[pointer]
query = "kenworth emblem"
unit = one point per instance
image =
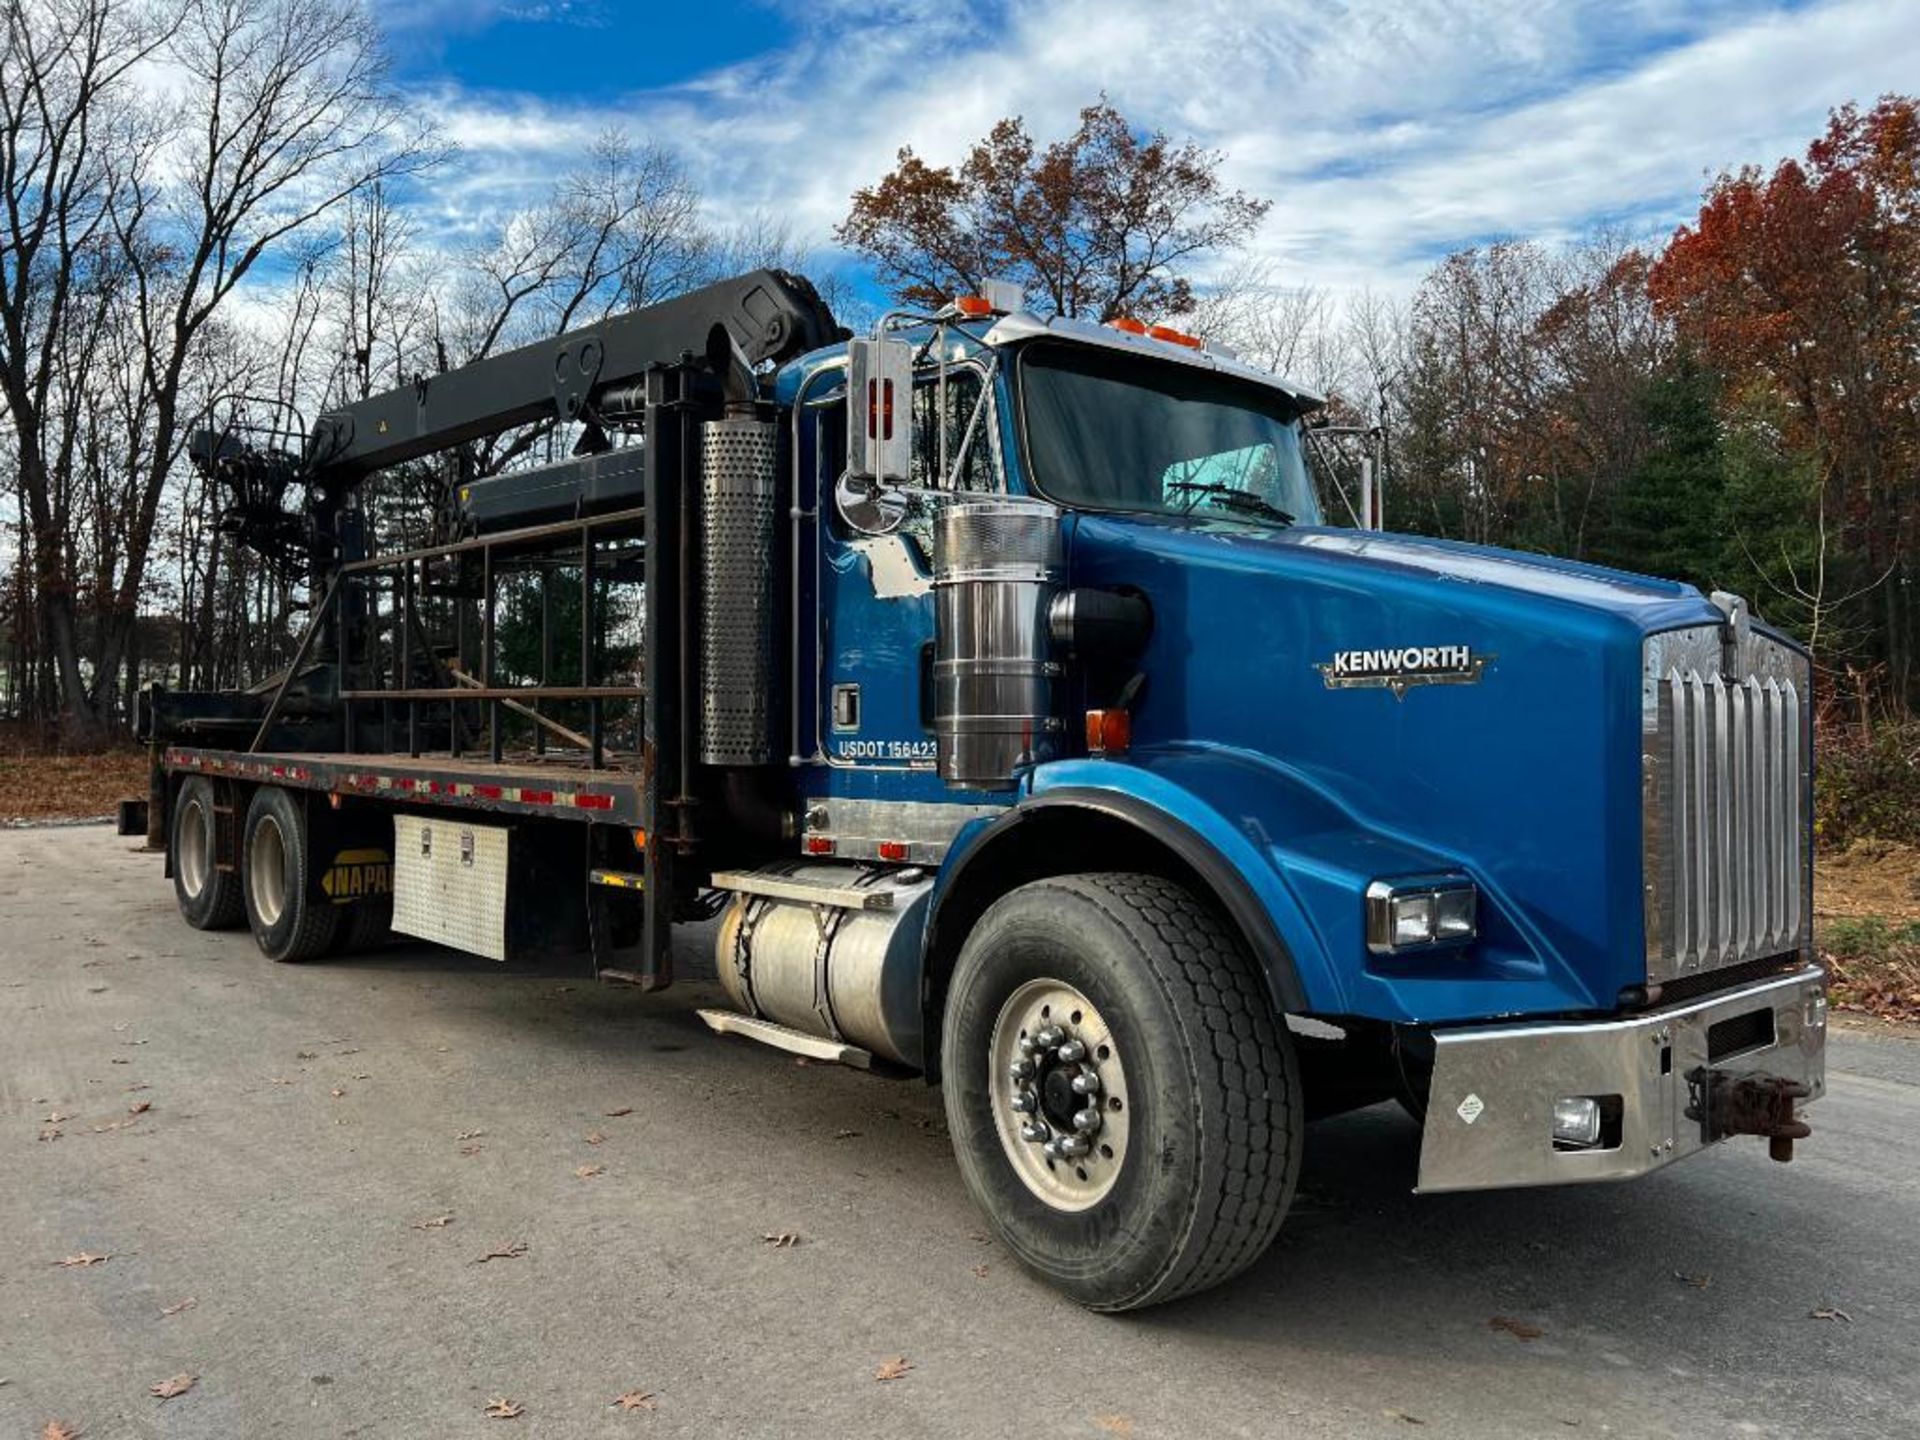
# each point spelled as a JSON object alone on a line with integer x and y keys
{"x": 1400, "y": 670}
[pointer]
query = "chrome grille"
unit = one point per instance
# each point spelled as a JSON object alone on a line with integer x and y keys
{"x": 1724, "y": 760}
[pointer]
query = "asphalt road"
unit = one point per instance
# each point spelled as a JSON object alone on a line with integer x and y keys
{"x": 307, "y": 1122}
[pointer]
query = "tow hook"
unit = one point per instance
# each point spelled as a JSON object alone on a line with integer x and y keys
{"x": 1749, "y": 1105}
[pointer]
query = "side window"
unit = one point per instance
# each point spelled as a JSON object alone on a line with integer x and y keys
{"x": 963, "y": 399}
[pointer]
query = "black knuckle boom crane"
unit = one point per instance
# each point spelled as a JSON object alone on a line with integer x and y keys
{"x": 370, "y": 685}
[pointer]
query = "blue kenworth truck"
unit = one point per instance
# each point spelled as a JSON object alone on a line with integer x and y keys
{"x": 997, "y": 686}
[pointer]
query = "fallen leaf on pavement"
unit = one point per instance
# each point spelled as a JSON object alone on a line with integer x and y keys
{"x": 283, "y": 1080}
{"x": 437, "y": 1222}
{"x": 59, "y": 1430}
{"x": 634, "y": 1400}
{"x": 894, "y": 1369}
{"x": 1121, "y": 1425}
{"x": 52, "y": 1132}
{"x": 177, "y": 1385}
{"x": 1519, "y": 1329}
{"x": 623, "y": 1110}
{"x": 54, "y": 1117}
{"x": 1403, "y": 1415}
{"x": 511, "y": 1251}
{"x": 501, "y": 1408}
{"x": 186, "y": 1304}
{"x": 306, "y": 1055}
{"x": 469, "y": 1134}
{"x": 783, "y": 1240}
{"x": 336, "y": 1092}
{"x": 471, "y": 1150}
{"x": 1828, "y": 1312}
{"x": 1698, "y": 1282}
{"x": 82, "y": 1260}
{"x": 587, "y": 1172}
{"x": 140, "y": 1107}
{"x": 845, "y": 1134}
{"x": 981, "y": 1270}
{"x": 594, "y": 1137}
{"x": 138, "y": 1085}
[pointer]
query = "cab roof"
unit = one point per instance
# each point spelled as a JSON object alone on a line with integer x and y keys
{"x": 1019, "y": 327}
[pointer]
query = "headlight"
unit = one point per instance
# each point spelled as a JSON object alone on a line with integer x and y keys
{"x": 1418, "y": 912}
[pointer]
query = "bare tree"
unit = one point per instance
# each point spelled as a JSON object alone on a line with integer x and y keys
{"x": 73, "y": 138}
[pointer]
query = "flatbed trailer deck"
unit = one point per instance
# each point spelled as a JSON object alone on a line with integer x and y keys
{"x": 551, "y": 788}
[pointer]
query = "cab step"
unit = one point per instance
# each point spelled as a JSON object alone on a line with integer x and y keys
{"x": 785, "y": 1037}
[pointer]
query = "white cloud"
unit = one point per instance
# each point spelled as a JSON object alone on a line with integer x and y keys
{"x": 1384, "y": 130}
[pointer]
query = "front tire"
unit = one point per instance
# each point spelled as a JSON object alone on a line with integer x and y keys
{"x": 209, "y": 897}
{"x": 290, "y": 919}
{"x": 1180, "y": 1176}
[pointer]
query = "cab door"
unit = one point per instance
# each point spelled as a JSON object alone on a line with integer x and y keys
{"x": 875, "y": 582}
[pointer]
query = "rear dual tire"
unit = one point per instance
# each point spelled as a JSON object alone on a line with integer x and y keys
{"x": 1168, "y": 1027}
{"x": 290, "y": 919}
{"x": 209, "y": 897}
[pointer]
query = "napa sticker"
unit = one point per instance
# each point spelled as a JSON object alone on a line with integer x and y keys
{"x": 1399, "y": 670}
{"x": 357, "y": 875}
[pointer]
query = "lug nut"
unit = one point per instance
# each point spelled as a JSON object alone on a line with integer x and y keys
{"x": 1050, "y": 1037}
{"x": 1071, "y": 1051}
{"x": 1086, "y": 1121}
{"x": 1037, "y": 1131}
{"x": 1087, "y": 1082}
{"x": 1021, "y": 1070}
{"x": 1072, "y": 1147}
{"x": 1024, "y": 1101}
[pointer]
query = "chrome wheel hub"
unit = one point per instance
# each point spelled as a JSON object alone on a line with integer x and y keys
{"x": 195, "y": 849}
{"x": 1059, "y": 1094}
{"x": 267, "y": 870}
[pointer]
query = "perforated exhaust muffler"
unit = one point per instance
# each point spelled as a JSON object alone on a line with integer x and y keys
{"x": 737, "y": 458}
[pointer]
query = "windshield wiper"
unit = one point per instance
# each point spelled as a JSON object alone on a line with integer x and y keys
{"x": 1244, "y": 501}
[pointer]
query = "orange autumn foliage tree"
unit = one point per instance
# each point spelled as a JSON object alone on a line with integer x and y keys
{"x": 1099, "y": 224}
{"x": 1803, "y": 286}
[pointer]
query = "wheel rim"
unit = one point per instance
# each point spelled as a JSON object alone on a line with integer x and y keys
{"x": 1059, "y": 1094}
{"x": 267, "y": 870}
{"x": 194, "y": 848}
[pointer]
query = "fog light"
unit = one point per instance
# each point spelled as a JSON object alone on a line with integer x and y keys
{"x": 1419, "y": 911}
{"x": 1576, "y": 1121}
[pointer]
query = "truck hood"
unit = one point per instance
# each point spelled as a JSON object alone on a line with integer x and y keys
{"x": 1445, "y": 704}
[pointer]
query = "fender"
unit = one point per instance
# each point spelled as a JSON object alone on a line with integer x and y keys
{"x": 1244, "y": 907}
{"x": 1290, "y": 866}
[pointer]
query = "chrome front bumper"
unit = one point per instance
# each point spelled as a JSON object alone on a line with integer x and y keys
{"x": 1490, "y": 1107}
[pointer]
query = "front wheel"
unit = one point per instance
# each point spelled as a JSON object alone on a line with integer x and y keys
{"x": 1123, "y": 1105}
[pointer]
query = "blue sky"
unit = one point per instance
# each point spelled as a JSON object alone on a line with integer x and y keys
{"x": 1386, "y": 132}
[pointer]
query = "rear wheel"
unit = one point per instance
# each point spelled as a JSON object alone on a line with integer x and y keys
{"x": 1124, "y": 1107}
{"x": 289, "y": 918}
{"x": 209, "y": 897}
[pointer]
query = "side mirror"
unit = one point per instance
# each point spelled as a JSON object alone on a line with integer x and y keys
{"x": 880, "y": 408}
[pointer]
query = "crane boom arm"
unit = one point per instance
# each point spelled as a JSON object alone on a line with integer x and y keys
{"x": 768, "y": 314}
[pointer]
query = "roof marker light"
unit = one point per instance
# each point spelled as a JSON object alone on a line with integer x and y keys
{"x": 1175, "y": 337}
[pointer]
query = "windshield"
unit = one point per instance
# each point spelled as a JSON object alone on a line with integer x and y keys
{"x": 1109, "y": 431}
